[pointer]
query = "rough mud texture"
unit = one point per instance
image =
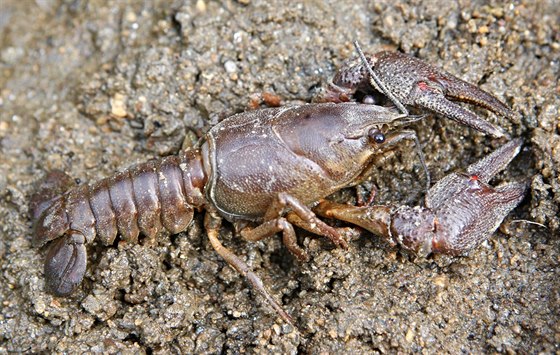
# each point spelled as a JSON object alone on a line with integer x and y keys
{"x": 92, "y": 87}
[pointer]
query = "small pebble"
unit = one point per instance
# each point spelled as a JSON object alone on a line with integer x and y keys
{"x": 230, "y": 66}
{"x": 118, "y": 106}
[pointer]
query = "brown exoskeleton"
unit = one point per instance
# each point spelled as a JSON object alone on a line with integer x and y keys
{"x": 266, "y": 167}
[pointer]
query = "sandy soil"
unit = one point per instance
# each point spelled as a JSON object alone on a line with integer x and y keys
{"x": 91, "y": 87}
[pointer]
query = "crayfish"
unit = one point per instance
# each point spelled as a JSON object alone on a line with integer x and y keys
{"x": 265, "y": 170}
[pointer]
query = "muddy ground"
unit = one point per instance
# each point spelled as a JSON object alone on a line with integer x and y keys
{"x": 92, "y": 87}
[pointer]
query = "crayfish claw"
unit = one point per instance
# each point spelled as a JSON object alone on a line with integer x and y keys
{"x": 461, "y": 209}
{"x": 466, "y": 209}
{"x": 475, "y": 215}
{"x": 409, "y": 81}
{"x": 477, "y": 175}
{"x": 487, "y": 167}
{"x": 432, "y": 99}
{"x": 460, "y": 90}
{"x": 420, "y": 84}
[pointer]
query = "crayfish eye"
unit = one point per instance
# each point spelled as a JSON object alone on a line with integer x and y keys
{"x": 376, "y": 136}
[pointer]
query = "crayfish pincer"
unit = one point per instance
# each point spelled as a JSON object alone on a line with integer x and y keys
{"x": 461, "y": 210}
{"x": 263, "y": 170}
